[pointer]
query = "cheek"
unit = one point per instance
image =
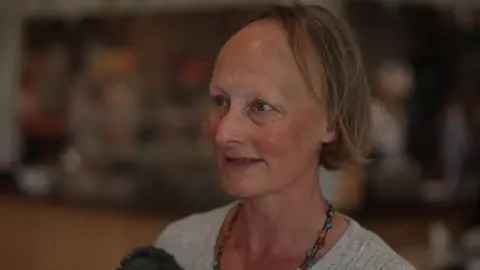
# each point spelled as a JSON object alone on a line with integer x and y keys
{"x": 275, "y": 142}
{"x": 288, "y": 142}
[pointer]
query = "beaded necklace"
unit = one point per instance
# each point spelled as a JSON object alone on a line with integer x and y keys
{"x": 308, "y": 262}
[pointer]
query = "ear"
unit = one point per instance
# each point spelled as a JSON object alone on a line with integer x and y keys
{"x": 330, "y": 133}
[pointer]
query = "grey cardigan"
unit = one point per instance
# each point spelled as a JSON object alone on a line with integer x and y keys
{"x": 191, "y": 241}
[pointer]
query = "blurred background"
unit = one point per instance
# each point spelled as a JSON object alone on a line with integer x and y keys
{"x": 101, "y": 126}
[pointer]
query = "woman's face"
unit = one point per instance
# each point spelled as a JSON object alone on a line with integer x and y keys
{"x": 267, "y": 127}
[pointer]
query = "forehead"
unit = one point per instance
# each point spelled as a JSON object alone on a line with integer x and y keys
{"x": 257, "y": 56}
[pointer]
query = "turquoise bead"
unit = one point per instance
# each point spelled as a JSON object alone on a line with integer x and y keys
{"x": 329, "y": 224}
{"x": 310, "y": 263}
{"x": 215, "y": 265}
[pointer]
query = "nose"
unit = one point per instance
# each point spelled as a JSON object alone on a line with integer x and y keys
{"x": 232, "y": 129}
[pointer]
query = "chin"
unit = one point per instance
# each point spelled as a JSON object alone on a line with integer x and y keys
{"x": 242, "y": 188}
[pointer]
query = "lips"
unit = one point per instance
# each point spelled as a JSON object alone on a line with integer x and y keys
{"x": 242, "y": 160}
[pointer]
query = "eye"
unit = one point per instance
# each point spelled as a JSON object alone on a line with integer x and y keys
{"x": 261, "y": 106}
{"x": 220, "y": 101}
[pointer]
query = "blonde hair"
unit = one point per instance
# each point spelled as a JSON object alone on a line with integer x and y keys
{"x": 346, "y": 92}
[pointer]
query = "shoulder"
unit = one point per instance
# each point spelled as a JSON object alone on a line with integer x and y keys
{"x": 362, "y": 249}
{"x": 374, "y": 253}
{"x": 377, "y": 254}
{"x": 194, "y": 236}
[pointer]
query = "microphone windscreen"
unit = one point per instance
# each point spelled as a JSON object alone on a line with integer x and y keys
{"x": 149, "y": 258}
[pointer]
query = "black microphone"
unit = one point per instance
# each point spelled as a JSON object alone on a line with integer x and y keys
{"x": 149, "y": 258}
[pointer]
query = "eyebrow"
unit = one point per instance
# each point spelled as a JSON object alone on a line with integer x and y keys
{"x": 218, "y": 88}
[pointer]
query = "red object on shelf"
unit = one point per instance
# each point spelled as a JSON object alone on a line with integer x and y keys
{"x": 195, "y": 71}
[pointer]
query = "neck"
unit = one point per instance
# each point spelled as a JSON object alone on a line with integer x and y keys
{"x": 285, "y": 223}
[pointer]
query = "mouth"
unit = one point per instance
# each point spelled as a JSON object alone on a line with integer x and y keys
{"x": 241, "y": 161}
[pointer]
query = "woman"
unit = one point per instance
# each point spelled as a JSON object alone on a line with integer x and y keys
{"x": 288, "y": 95}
